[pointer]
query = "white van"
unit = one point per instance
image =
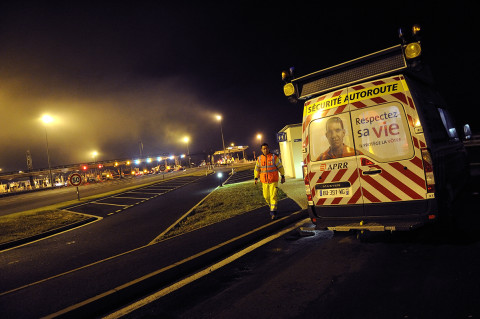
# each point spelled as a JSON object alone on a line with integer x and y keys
{"x": 380, "y": 150}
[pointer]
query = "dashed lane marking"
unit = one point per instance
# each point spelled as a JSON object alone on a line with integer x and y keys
{"x": 128, "y": 197}
{"x": 141, "y": 194}
{"x": 145, "y": 193}
{"x": 109, "y": 204}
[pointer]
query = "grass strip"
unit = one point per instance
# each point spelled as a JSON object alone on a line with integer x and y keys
{"x": 224, "y": 203}
{"x": 26, "y": 224}
{"x": 244, "y": 167}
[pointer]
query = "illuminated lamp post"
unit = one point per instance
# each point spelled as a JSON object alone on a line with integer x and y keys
{"x": 94, "y": 155}
{"x": 186, "y": 139}
{"x": 219, "y": 118}
{"x": 259, "y": 138}
{"x": 47, "y": 119}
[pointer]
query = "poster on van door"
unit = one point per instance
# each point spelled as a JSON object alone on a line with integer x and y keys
{"x": 331, "y": 138}
{"x": 382, "y": 132}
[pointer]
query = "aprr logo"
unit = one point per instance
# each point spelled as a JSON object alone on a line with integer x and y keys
{"x": 333, "y": 166}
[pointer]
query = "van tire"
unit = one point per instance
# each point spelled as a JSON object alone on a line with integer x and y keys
{"x": 446, "y": 206}
{"x": 451, "y": 206}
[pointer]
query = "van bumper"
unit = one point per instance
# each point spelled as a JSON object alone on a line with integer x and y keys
{"x": 389, "y": 220}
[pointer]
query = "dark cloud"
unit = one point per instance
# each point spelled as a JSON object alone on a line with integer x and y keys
{"x": 117, "y": 74}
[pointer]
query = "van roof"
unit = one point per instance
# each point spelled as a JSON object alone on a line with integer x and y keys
{"x": 367, "y": 67}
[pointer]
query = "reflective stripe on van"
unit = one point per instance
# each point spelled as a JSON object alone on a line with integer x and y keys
{"x": 399, "y": 179}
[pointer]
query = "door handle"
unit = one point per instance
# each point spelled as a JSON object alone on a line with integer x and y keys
{"x": 374, "y": 172}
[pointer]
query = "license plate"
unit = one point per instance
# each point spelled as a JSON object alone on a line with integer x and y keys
{"x": 335, "y": 192}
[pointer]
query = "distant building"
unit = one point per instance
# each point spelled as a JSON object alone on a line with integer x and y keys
{"x": 290, "y": 140}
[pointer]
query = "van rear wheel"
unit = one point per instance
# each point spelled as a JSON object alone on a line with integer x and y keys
{"x": 446, "y": 206}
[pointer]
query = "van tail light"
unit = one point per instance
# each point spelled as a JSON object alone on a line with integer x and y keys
{"x": 366, "y": 162}
{"x": 428, "y": 169}
{"x": 307, "y": 185}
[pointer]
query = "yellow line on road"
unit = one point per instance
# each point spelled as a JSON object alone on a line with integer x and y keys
{"x": 152, "y": 274}
{"x": 179, "y": 284}
{"x": 129, "y": 197}
{"x": 109, "y": 204}
{"x": 69, "y": 272}
{"x": 154, "y": 241}
{"x": 159, "y": 271}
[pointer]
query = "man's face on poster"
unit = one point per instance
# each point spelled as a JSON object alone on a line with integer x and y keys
{"x": 335, "y": 134}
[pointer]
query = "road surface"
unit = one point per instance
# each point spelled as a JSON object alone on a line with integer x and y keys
{"x": 432, "y": 272}
{"x": 65, "y": 269}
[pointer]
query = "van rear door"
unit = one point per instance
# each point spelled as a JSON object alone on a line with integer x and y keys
{"x": 389, "y": 159}
{"x": 333, "y": 175}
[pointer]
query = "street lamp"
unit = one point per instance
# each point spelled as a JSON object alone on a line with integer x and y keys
{"x": 219, "y": 118}
{"x": 186, "y": 139}
{"x": 259, "y": 138}
{"x": 47, "y": 119}
{"x": 94, "y": 155}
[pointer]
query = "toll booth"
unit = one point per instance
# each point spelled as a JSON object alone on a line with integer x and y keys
{"x": 290, "y": 140}
{"x": 231, "y": 154}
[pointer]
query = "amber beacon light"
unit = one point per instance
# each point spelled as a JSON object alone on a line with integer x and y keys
{"x": 288, "y": 89}
{"x": 411, "y": 43}
{"x": 413, "y": 50}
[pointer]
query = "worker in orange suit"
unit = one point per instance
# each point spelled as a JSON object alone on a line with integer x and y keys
{"x": 267, "y": 167}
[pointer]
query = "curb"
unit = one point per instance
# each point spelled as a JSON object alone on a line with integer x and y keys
{"x": 116, "y": 298}
{"x": 18, "y": 242}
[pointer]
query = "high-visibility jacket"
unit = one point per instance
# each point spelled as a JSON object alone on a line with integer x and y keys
{"x": 267, "y": 167}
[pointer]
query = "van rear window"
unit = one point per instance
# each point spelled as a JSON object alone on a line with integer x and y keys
{"x": 382, "y": 132}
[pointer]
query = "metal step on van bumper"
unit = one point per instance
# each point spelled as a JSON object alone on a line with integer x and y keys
{"x": 400, "y": 226}
{"x": 388, "y": 216}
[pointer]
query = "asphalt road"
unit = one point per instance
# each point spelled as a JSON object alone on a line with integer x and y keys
{"x": 428, "y": 273}
{"x": 68, "y": 268}
{"x": 35, "y": 199}
{"x": 432, "y": 272}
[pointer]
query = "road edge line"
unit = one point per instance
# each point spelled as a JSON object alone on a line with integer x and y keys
{"x": 202, "y": 273}
{"x": 86, "y": 307}
{"x": 53, "y": 232}
{"x": 154, "y": 241}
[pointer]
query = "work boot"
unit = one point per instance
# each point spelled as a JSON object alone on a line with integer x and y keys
{"x": 273, "y": 214}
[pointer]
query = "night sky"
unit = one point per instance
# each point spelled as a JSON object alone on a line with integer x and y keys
{"x": 114, "y": 75}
